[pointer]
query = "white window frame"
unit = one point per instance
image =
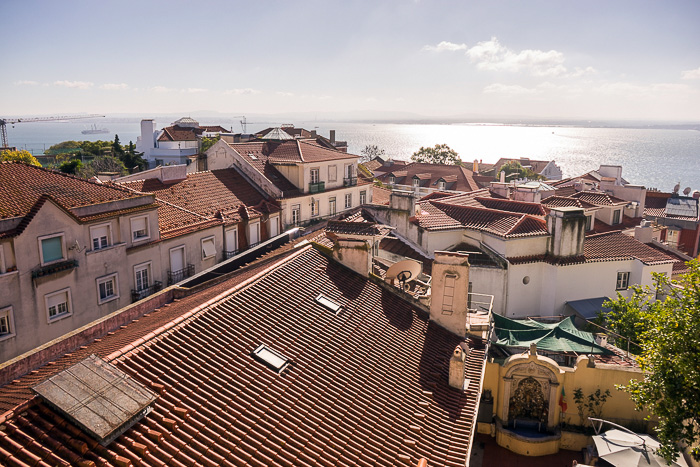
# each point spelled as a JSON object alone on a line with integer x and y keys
{"x": 7, "y": 316}
{"x": 254, "y": 227}
{"x": 148, "y": 229}
{"x": 273, "y": 221}
{"x": 332, "y": 173}
{"x": 208, "y": 239}
{"x": 315, "y": 175}
{"x": 109, "y": 236}
{"x": 315, "y": 207}
{"x": 363, "y": 197}
{"x": 332, "y": 206}
{"x": 348, "y": 200}
{"x": 63, "y": 247}
{"x": 296, "y": 214}
{"x": 416, "y": 182}
{"x": 618, "y": 213}
{"x": 589, "y": 222}
{"x": 441, "y": 185}
{"x": 392, "y": 179}
{"x": 623, "y": 280}
{"x": 141, "y": 267}
{"x": 69, "y": 305}
{"x": 114, "y": 279}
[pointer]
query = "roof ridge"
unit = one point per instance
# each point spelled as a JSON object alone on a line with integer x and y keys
{"x": 301, "y": 154}
{"x": 185, "y": 318}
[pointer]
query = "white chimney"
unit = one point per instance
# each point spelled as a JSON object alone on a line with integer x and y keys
{"x": 502, "y": 177}
{"x": 601, "y": 339}
{"x": 644, "y": 232}
{"x": 354, "y": 254}
{"x": 449, "y": 291}
{"x": 457, "y": 367}
{"x": 567, "y": 227}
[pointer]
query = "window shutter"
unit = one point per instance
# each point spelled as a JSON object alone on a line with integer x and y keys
{"x": 138, "y": 224}
{"x": 208, "y": 247}
{"x": 57, "y": 299}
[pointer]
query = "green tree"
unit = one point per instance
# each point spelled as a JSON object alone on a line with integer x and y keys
{"x": 668, "y": 331}
{"x": 72, "y": 166}
{"x": 95, "y": 148}
{"x": 370, "y": 152}
{"x": 19, "y": 156}
{"x": 440, "y": 154}
{"x": 65, "y": 147}
{"x": 102, "y": 164}
{"x": 208, "y": 142}
{"x": 514, "y": 167}
{"x": 133, "y": 160}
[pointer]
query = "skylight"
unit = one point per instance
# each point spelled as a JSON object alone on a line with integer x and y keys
{"x": 252, "y": 156}
{"x": 271, "y": 358}
{"x": 328, "y": 303}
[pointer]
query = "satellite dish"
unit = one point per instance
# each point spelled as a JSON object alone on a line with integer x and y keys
{"x": 405, "y": 270}
{"x": 686, "y": 191}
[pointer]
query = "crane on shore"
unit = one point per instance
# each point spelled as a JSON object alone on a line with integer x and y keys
{"x": 12, "y": 121}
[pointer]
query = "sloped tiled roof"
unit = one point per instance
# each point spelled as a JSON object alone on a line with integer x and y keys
{"x": 458, "y": 177}
{"x": 356, "y": 228}
{"x": 616, "y": 246}
{"x": 563, "y": 202}
{"x": 366, "y": 386}
{"x": 598, "y": 198}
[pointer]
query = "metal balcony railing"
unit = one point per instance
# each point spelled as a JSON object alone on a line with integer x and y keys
{"x": 350, "y": 181}
{"x": 137, "y": 295}
{"x": 176, "y": 276}
{"x": 317, "y": 187}
{"x": 54, "y": 268}
{"x": 230, "y": 253}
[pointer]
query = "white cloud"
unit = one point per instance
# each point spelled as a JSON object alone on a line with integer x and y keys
{"x": 578, "y": 72}
{"x": 492, "y": 56}
{"x": 241, "y": 91}
{"x": 74, "y": 84}
{"x": 508, "y": 89}
{"x": 691, "y": 74}
{"x": 194, "y": 90}
{"x": 285, "y": 94}
{"x": 161, "y": 89}
{"x": 114, "y": 86}
{"x": 26, "y": 82}
{"x": 445, "y": 46}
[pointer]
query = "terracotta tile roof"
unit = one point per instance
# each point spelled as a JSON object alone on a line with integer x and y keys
{"x": 565, "y": 191}
{"x": 563, "y": 201}
{"x": 598, "y": 198}
{"x": 380, "y": 195}
{"x": 372, "y": 165}
{"x": 616, "y": 245}
{"x": 22, "y": 185}
{"x": 441, "y": 215}
{"x": 349, "y": 396}
{"x": 356, "y": 228}
{"x": 509, "y": 205}
{"x": 180, "y": 133}
{"x": 461, "y": 177}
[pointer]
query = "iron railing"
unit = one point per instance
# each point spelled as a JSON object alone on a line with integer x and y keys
{"x": 54, "y": 268}
{"x": 230, "y": 253}
{"x": 350, "y": 181}
{"x": 317, "y": 187}
{"x": 176, "y": 276}
{"x": 138, "y": 294}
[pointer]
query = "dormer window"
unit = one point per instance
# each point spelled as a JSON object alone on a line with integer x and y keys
{"x": 139, "y": 228}
{"x": 441, "y": 184}
{"x": 392, "y": 179}
{"x": 416, "y": 181}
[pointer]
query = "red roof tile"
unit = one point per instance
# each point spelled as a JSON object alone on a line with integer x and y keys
{"x": 458, "y": 177}
{"x": 598, "y": 198}
{"x": 616, "y": 245}
{"x": 348, "y": 397}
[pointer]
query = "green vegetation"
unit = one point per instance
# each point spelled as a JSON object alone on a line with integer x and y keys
{"x": 209, "y": 142}
{"x": 86, "y": 158}
{"x": 440, "y": 154}
{"x": 71, "y": 166}
{"x": 591, "y": 406}
{"x": 514, "y": 167}
{"x": 668, "y": 332}
{"x": 103, "y": 164}
{"x": 19, "y": 156}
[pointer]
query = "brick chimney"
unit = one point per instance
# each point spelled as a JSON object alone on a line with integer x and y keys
{"x": 567, "y": 227}
{"x": 457, "y": 367}
{"x": 449, "y": 291}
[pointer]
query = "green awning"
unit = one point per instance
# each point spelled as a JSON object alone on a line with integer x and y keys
{"x": 555, "y": 337}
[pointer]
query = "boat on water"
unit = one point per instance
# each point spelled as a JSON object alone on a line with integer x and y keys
{"x": 95, "y": 131}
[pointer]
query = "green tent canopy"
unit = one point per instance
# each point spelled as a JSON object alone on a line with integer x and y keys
{"x": 556, "y": 337}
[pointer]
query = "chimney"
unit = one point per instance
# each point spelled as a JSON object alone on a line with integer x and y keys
{"x": 313, "y": 133}
{"x": 566, "y": 226}
{"x": 449, "y": 291}
{"x": 601, "y": 339}
{"x": 333, "y": 137}
{"x": 403, "y": 201}
{"x": 499, "y": 188}
{"x": 457, "y": 366}
{"x": 530, "y": 195}
{"x": 354, "y": 254}
{"x": 502, "y": 177}
{"x": 644, "y": 232}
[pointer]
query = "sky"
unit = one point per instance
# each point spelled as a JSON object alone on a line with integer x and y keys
{"x": 575, "y": 59}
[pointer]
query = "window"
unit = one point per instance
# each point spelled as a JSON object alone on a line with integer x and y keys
{"x": 589, "y": 221}
{"x": 314, "y": 176}
{"x": 254, "y": 234}
{"x": 295, "y": 214}
{"x": 328, "y": 303}
{"x": 623, "y": 279}
{"x": 100, "y": 236}
{"x": 142, "y": 274}
{"x": 363, "y": 197}
{"x": 392, "y": 179}
{"x": 314, "y": 207}
{"x": 139, "y": 228}
{"x": 332, "y": 173}
{"x": 331, "y": 206}
{"x": 348, "y": 200}
{"x": 7, "y": 329}
{"x": 449, "y": 293}
{"x": 51, "y": 248}
{"x": 616, "y": 217}
{"x": 349, "y": 171}
{"x": 441, "y": 185}
{"x": 58, "y": 304}
{"x": 107, "y": 289}
{"x": 208, "y": 248}
{"x": 672, "y": 238}
{"x": 271, "y": 358}
{"x": 416, "y": 182}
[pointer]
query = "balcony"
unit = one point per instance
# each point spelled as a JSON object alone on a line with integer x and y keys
{"x": 317, "y": 187}
{"x": 137, "y": 295}
{"x": 350, "y": 181}
{"x": 230, "y": 253}
{"x": 176, "y": 276}
{"x": 54, "y": 268}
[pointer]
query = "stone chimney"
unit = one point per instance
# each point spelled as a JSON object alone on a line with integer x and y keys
{"x": 332, "y": 138}
{"x": 449, "y": 291}
{"x": 499, "y": 188}
{"x": 527, "y": 194}
{"x": 457, "y": 367}
{"x": 354, "y": 253}
{"x": 403, "y": 201}
{"x": 644, "y": 232}
{"x": 567, "y": 227}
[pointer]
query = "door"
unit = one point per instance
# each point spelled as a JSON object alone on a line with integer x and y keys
{"x": 274, "y": 226}
{"x": 254, "y": 233}
{"x": 231, "y": 241}
{"x": 177, "y": 259}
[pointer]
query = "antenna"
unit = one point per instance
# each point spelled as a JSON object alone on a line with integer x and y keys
{"x": 405, "y": 271}
{"x": 686, "y": 191}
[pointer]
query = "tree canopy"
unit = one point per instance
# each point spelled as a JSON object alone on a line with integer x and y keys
{"x": 370, "y": 152}
{"x": 514, "y": 167}
{"x": 102, "y": 164}
{"x": 440, "y": 154}
{"x": 209, "y": 141}
{"x": 19, "y": 156}
{"x": 668, "y": 332}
